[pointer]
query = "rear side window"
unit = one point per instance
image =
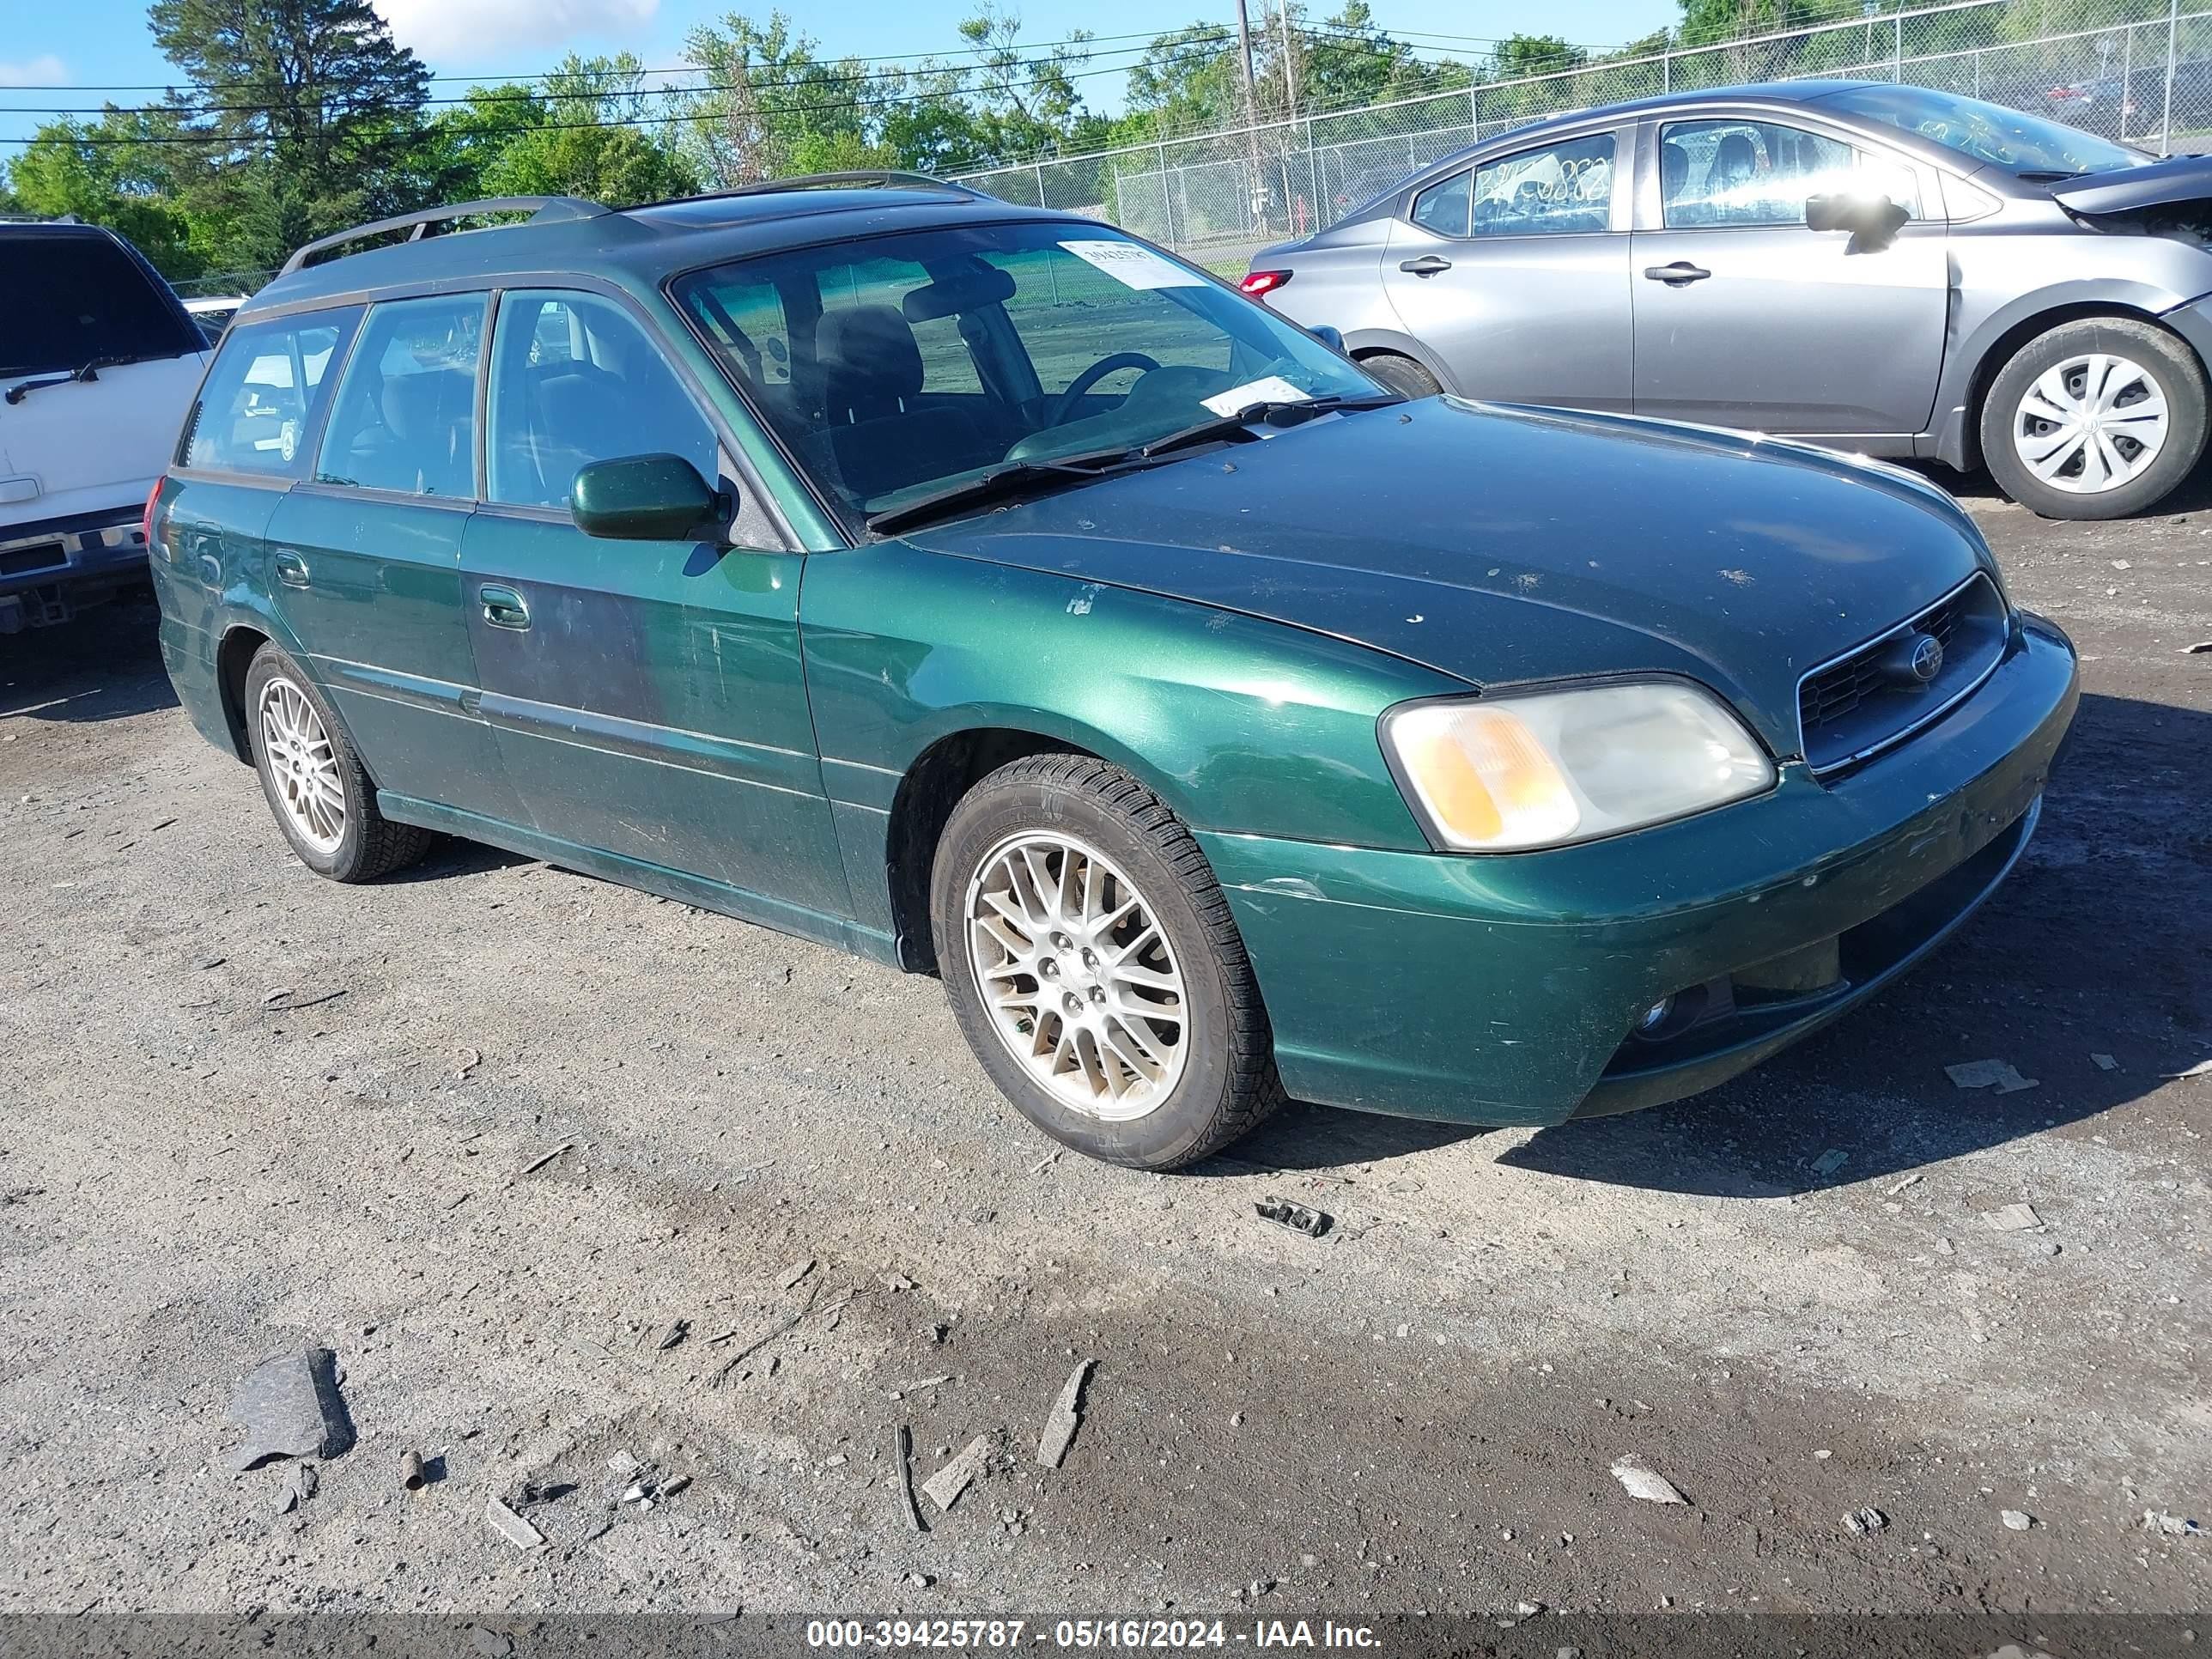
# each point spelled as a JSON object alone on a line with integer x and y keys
{"x": 575, "y": 380}
{"x": 68, "y": 299}
{"x": 1443, "y": 208}
{"x": 406, "y": 414}
{"x": 1561, "y": 190}
{"x": 262, "y": 401}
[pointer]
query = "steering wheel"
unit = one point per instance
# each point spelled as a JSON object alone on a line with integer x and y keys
{"x": 1063, "y": 405}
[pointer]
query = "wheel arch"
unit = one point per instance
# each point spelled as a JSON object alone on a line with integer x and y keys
{"x": 1385, "y": 342}
{"x": 234, "y": 656}
{"x": 1989, "y": 361}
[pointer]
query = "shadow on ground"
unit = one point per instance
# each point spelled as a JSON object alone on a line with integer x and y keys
{"x": 103, "y": 664}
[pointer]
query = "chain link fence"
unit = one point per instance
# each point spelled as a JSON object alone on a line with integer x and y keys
{"x": 2134, "y": 70}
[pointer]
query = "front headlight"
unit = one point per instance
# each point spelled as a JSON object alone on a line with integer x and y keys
{"x": 1505, "y": 774}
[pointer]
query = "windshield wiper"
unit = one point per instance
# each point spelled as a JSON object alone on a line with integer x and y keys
{"x": 1010, "y": 480}
{"x": 1274, "y": 412}
{"x": 89, "y": 371}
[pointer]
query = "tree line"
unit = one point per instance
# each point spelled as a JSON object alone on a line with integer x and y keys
{"x": 300, "y": 117}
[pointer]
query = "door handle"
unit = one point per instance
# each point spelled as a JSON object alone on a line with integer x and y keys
{"x": 1427, "y": 265}
{"x": 503, "y": 608}
{"x": 1680, "y": 274}
{"x": 291, "y": 568}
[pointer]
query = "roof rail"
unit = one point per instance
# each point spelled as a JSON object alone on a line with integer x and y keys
{"x": 541, "y": 208}
{"x": 879, "y": 178}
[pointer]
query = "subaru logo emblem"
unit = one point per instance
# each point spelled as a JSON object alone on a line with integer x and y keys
{"x": 1927, "y": 658}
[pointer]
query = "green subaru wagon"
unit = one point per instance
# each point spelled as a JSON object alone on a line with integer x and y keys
{"x": 988, "y": 593}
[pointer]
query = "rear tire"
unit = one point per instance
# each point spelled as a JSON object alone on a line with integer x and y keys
{"x": 322, "y": 798}
{"x": 1138, "y": 1038}
{"x": 2095, "y": 419}
{"x": 1402, "y": 375}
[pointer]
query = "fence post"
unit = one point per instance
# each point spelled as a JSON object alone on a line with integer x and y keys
{"x": 1473, "y": 112}
{"x": 1038, "y": 168}
{"x": 1313, "y": 179}
{"x": 1667, "y": 71}
{"x": 2166, "y": 119}
{"x": 1978, "y": 71}
{"x": 1897, "y": 63}
{"x": 2127, "y": 76}
{"x": 1167, "y": 197}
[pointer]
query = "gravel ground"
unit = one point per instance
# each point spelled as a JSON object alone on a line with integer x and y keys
{"x": 1418, "y": 1410}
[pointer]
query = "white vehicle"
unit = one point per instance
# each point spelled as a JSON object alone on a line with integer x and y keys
{"x": 212, "y": 314}
{"x": 98, "y": 361}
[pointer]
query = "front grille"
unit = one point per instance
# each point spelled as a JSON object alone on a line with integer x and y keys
{"x": 1863, "y": 702}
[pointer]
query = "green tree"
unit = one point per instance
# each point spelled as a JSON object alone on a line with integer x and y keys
{"x": 1027, "y": 99}
{"x": 107, "y": 173}
{"x": 771, "y": 107}
{"x": 307, "y": 119}
{"x": 591, "y": 128}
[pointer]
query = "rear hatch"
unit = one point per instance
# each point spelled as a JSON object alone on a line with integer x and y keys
{"x": 76, "y": 301}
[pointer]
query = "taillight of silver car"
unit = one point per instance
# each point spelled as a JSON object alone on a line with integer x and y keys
{"x": 1258, "y": 284}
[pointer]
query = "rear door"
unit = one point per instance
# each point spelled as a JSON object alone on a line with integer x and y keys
{"x": 648, "y": 695}
{"x": 1514, "y": 273}
{"x": 1745, "y": 318}
{"x": 364, "y": 557}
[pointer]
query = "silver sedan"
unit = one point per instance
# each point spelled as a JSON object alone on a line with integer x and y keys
{"x": 1884, "y": 269}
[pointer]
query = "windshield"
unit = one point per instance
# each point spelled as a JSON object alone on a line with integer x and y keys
{"x": 72, "y": 299}
{"x": 2026, "y": 145}
{"x": 899, "y": 367}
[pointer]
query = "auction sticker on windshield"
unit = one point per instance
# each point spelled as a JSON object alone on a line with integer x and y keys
{"x": 1135, "y": 266}
{"x": 1269, "y": 389}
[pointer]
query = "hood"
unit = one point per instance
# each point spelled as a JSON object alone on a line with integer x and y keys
{"x": 1503, "y": 545}
{"x": 2126, "y": 189}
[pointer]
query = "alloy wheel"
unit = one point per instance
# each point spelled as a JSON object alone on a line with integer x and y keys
{"x": 1077, "y": 976}
{"x": 2091, "y": 423}
{"x": 304, "y": 765}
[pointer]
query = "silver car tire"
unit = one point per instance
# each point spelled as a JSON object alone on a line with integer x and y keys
{"x": 1065, "y": 897}
{"x": 321, "y": 797}
{"x": 2095, "y": 419}
{"x": 1402, "y": 375}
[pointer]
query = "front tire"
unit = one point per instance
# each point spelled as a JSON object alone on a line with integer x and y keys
{"x": 1094, "y": 967}
{"x": 322, "y": 798}
{"x": 2095, "y": 419}
{"x": 1402, "y": 375}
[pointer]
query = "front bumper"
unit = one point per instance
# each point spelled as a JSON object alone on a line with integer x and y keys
{"x": 49, "y": 568}
{"x": 1502, "y": 990}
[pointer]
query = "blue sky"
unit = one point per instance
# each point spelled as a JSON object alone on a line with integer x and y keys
{"x": 80, "y": 42}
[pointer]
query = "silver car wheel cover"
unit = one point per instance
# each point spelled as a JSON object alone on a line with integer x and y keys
{"x": 2091, "y": 423}
{"x": 1076, "y": 974}
{"x": 303, "y": 765}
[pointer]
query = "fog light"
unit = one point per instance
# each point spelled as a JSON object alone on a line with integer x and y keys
{"x": 1656, "y": 1017}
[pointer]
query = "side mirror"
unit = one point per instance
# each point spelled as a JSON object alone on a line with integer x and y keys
{"x": 1873, "y": 220}
{"x": 644, "y": 498}
{"x": 1333, "y": 338}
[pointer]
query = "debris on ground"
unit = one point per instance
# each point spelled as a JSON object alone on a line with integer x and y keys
{"x": 492, "y": 1644}
{"x": 512, "y": 1527}
{"x": 1997, "y": 1074}
{"x": 2197, "y": 649}
{"x": 1831, "y": 1161}
{"x": 1044, "y": 1163}
{"x": 1298, "y": 1217}
{"x": 791, "y": 1275}
{"x": 2202, "y": 1069}
{"x": 674, "y": 1334}
{"x": 625, "y": 1465}
{"x": 545, "y": 1158}
{"x": 2013, "y": 1218}
{"x": 2105, "y": 1062}
{"x": 1066, "y": 1415}
{"x": 299, "y": 1487}
{"x": 2016, "y": 1520}
{"x": 1643, "y": 1484}
{"x": 783, "y": 1322}
{"x": 900, "y": 1391}
{"x": 465, "y": 1062}
{"x": 2173, "y": 1526}
{"x": 902, "y": 1476}
{"x": 1897, "y": 1187}
{"x": 1865, "y": 1520}
{"x": 275, "y": 994}
{"x": 945, "y": 1486}
{"x": 290, "y": 1407}
{"x": 410, "y": 1471}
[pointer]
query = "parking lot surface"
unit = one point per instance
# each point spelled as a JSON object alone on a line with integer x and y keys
{"x": 248, "y": 1111}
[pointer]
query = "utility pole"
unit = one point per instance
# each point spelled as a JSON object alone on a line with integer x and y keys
{"x": 1259, "y": 190}
{"x": 1290, "y": 65}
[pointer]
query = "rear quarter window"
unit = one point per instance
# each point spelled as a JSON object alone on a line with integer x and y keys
{"x": 69, "y": 298}
{"x": 263, "y": 399}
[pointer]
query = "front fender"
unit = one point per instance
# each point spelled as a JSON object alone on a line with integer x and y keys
{"x": 1241, "y": 726}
